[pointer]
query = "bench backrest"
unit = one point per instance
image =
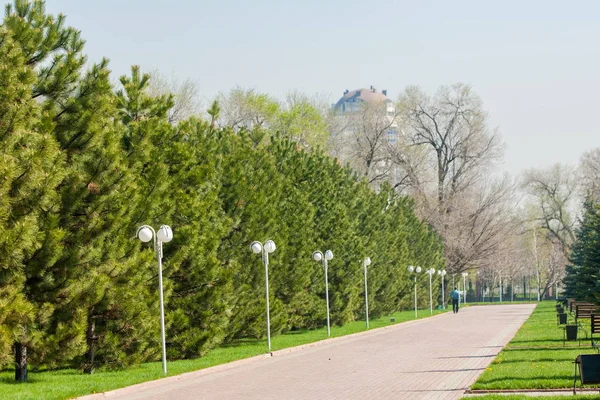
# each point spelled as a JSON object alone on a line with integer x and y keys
{"x": 570, "y": 304}
{"x": 585, "y": 310}
{"x": 595, "y": 323}
{"x": 573, "y": 305}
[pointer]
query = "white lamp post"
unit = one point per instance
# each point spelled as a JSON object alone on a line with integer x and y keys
{"x": 146, "y": 233}
{"x": 318, "y": 256}
{"x": 265, "y": 249}
{"x": 483, "y": 290}
{"x": 464, "y": 275}
{"x": 430, "y": 272}
{"x": 414, "y": 270}
{"x": 442, "y": 273}
{"x": 366, "y": 263}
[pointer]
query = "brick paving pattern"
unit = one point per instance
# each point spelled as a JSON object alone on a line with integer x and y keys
{"x": 433, "y": 358}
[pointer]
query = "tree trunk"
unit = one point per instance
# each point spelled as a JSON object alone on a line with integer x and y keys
{"x": 492, "y": 288}
{"x": 537, "y": 265}
{"x": 512, "y": 291}
{"x": 20, "y": 362}
{"x": 88, "y": 367}
{"x": 546, "y": 289}
{"x": 440, "y": 180}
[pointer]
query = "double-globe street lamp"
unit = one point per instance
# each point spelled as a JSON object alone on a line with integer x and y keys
{"x": 268, "y": 247}
{"x": 164, "y": 235}
{"x": 430, "y": 272}
{"x": 442, "y": 273}
{"x": 318, "y": 256}
{"x": 366, "y": 263}
{"x": 416, "y": 271}
{"x": 464, "y": 275}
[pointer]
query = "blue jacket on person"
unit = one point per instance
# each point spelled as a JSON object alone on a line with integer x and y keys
{"x": 455, "y": 295}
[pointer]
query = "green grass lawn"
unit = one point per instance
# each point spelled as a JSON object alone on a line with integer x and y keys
{"x": 535, "y": 358}
{"x": 65, "y": 384}
{"x": 524, "y": 397}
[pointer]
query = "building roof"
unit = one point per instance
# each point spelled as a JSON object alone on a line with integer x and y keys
{"x": 368, "y": 95}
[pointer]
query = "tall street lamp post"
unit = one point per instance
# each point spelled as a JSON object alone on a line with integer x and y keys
{"x": 318, "y": 256}
{"x": 416, "y": 271}
{"x": 430, "y": 272}
{"x": 268, "y": 247}
{"x": 366, "y": 263}
{"x": 146, "y": 233}
{"x": 442, "y": 273}
{"x": 464, "y": 275}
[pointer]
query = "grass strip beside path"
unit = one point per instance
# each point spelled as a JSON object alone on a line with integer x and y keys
{"x": 535, "y": 358}
{"x": 524, "y": 397}
{"x": 69, "y": 383}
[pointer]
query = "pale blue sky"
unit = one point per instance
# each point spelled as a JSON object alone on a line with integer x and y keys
{"x": 535, "y": 64}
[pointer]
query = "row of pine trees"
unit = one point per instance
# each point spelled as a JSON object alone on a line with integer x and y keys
{"x": 84, "y": 162}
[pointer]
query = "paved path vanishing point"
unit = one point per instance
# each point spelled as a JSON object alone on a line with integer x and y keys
{"x": 432, "y": 358}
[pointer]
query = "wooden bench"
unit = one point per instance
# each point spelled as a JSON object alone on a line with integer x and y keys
{"x": 585, "y": 311}
{"x": 573, "y": 305}
{"x": 582, "y": 310}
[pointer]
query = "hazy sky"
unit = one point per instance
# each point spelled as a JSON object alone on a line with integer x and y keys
{"x": 535, "y": 64}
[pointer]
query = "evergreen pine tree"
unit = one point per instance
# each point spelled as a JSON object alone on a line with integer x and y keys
{"x": 31, "y": 167}
{"x": 199, "y": 307}
{"x": 580, "y": 276}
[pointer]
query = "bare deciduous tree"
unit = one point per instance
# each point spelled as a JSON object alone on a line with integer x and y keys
{"x": 590, "y": 173}
{"x": 512, "y": 262}
{"x": 246, "y": 108}
{"x": 549, "y": 223}
{"x": 477, "y": 224}
{"x": 457, "y": 151}
{"x": 185, "y": 95}
{"x": 546, "y": 259}
{"x": 553, "y": 195}
{"x": 362, "y": 140}
{"x": 453, "y": 126}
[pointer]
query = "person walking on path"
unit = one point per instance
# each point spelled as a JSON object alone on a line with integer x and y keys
{"x": 455, "y": 296}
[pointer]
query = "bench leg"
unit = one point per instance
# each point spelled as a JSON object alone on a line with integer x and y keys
{"x": 575, "y": 380}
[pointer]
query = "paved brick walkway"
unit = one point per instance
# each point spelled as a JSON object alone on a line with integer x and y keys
{"x": 433, "y": 358}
